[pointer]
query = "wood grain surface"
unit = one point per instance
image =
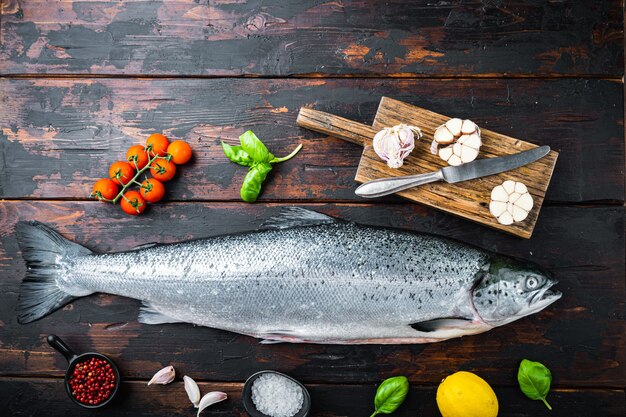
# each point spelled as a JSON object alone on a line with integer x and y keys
{"x": 294, "y": 37}
{"x": 59, "y": 136}
{"x": 82, "y": 80}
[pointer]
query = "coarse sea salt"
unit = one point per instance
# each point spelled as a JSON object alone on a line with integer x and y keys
{"x": 277, "y": 396}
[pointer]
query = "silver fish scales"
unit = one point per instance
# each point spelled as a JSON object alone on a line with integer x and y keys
{"x": 305, "y": 278}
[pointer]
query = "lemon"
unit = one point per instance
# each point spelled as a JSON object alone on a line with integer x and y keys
{"x": 464, "y": 394}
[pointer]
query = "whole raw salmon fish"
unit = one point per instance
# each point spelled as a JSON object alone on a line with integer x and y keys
{"x": 304, "y": 277}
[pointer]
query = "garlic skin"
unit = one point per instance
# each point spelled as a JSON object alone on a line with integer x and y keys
{"x": 510, "y": 202}
{"x": 193, "y": 391}
{"x": 164, "y": 376}
{"x": 210, "y": 399}
{"x": 393, "y": 144}
{"x": 457, "y": 141}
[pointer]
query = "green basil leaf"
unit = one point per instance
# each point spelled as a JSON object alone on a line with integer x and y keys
{"x": 254, "y": 147}
{"x": 251, "y": 187}
{"x": 391, "y": 394}
{"x": 237, "y": 155}
{"x": 534, "y": 380}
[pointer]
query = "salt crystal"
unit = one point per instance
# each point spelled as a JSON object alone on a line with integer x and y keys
{"x": 277, "y": 396}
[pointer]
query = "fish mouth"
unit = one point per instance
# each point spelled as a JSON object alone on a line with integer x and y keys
{"x": 544, "y": 297}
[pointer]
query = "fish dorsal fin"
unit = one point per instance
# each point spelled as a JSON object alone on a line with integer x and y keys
{"x": 441, "y": 324}
{"x": 296, "y": 216}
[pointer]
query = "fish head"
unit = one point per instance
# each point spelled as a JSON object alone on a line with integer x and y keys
{"x": 511, "y": 289}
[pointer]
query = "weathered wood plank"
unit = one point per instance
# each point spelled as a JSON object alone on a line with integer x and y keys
{"x": 581, "y": 337}
{"x": 34, "y": 397}
{"x": 60, "y": 135}
{"x": 222, "y": 37}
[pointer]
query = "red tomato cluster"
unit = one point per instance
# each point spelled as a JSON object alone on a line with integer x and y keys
{"x": 92, "y": 381}
{"x": 159, "y": 156}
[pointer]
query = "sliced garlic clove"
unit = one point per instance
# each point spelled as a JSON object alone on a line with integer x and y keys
{"x": 164, "y": 376}
{"x": 455, "y": 160}
{"x": 468, "y": 154}
{"x": 514, "y": 197}
{"x": 445, "y": 153}
{"x": 497, "y": 208}
{"x": 454, "y": 126}
{"x": 499, "y": 194}
{"x": 210, "y": 399}
{"x": 525, "y": 202}
{"x": 443, "y": 136}
{"x": 520, "y": 188}
{"x": 506, "y": 218}
{"x": 193, "y": 391}
{"x": 519, "y": 214}
{"x": 468, "y": 127}
{"x": 509, "y": 186}
{"x": 473, "y": 141}
{"x": 508, "y": 204}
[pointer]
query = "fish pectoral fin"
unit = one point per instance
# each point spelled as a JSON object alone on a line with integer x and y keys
{"x": 296, "y": 216}
{"x": 149, "y": 314}
{"x": 278, "y": 336}
{"x": 270, "y": 342}
{"x": 441, "y": 324}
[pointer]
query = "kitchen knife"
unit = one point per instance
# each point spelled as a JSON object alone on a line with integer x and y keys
{"x": 451, "y": 174}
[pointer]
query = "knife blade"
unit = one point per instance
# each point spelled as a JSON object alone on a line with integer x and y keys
{"x": 452, "y": 174}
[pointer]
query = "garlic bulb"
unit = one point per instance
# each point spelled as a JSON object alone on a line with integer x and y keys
{"x": 510, "y": 202}
{"x": 393, "y": 144}
{"x": 457, "y": 141}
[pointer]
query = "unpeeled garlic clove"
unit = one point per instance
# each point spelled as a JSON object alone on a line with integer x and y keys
{"x": 164, "y": 376}
{"x": 193, "y": 392}
{"x": 510, "y": 202}
{"x": 210, "y": 399}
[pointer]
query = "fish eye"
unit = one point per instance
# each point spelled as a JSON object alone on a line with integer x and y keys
{"x": 531, "y": 283}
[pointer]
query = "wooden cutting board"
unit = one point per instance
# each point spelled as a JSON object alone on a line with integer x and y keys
{"x": 468, "y": 199}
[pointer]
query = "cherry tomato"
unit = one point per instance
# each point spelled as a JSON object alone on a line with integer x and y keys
{"x": 104, "y": 188}
{"x": 158, "y": 144}
{"x": 163, "y": 170}
{"x": 121, "y": 172}
{"x": 152, "y": 190}
{"x": 180, "y": 151}
{"x": 137, "y": 155}
{"x": 133, "y": 203}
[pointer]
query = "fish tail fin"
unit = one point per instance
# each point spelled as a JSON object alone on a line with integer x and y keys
{"x": 43, "y": 249}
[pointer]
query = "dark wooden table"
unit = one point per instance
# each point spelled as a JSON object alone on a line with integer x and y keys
{"x": 83, "y": 80}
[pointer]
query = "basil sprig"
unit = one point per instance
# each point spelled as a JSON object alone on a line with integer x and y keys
{"x": 534, "y": 380}
{"x": 253, "y": 153}
{"x": 390, "y": 395}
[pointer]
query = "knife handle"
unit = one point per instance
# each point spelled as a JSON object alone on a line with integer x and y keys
{"x": 386, "y": 186}
{"x": 336, "y": 126}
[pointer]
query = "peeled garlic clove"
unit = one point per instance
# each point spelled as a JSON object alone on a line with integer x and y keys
{"x": 508, "y": 204}
{"x": 164, "y": 376}
{"x": 454, "y": 126}
{"x": 445, "y": 153}
{"x": 192, "y": 390}
{"x": 455, "y": 160}
{"x": 210, "y": 399}
{"x": 393, "y": 144}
